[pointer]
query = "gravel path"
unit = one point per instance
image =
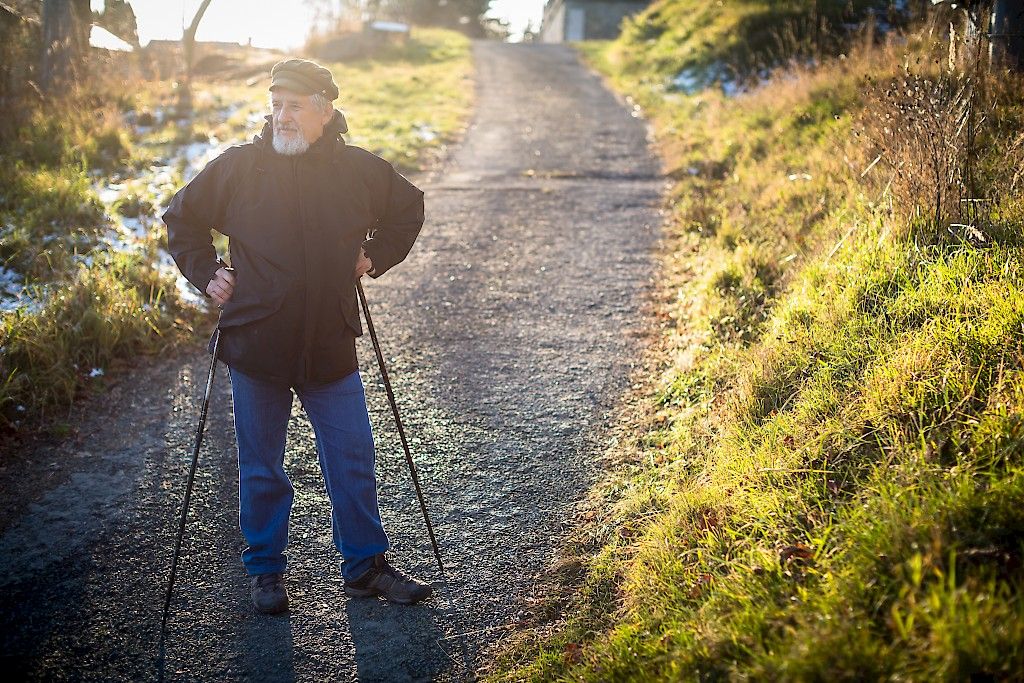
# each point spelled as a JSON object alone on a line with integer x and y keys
{"x": 510, "y": 333}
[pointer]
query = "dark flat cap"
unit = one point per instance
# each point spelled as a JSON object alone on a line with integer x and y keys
{"x": 303, "y": 77}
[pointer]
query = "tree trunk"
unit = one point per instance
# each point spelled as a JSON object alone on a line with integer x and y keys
{"x": 65, "y": 40}
{"x": 188, "y": 49}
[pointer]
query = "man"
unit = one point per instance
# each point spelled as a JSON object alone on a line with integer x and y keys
{"x": 306, "y": 216}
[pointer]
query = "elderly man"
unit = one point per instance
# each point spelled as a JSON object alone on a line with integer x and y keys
{"x": 306, "y": 216}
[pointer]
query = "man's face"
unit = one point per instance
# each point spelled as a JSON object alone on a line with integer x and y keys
{"x": 296, "y": 120}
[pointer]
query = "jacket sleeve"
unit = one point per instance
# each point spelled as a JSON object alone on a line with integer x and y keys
{"x": 193, "y": 211}
{"x": 398, "y": 224}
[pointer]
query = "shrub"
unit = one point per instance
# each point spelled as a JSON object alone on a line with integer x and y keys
{"x": 115, "y": 308}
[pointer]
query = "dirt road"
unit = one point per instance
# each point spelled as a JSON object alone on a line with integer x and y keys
{"x": 510, "y": 332}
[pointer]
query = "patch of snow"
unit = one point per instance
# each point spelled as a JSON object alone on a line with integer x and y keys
{"x": 731, "y": 88}
{"x": 30, "y": 299}
{"x": 111, "y": 192}
{"x": 10, "y": 282}
{"x": 137, "y": 226}
{"x": 13, "y": 293}
{"x": 231, "y": 109}
{"x": 196, "y": 155}
{"x": 193, "y": 150}
{"x": 693, "y": 79}
{"x": 162, "y": 175}
{"x": 689, "y": 80}
{"x": 882, "y": 26}
{"x": 190, "y": 294}
{"x": 161, "y": 184}
{"x": 425, "y": 132}
{"x": 898, "y": 9}
{"x": 166, "y": 261}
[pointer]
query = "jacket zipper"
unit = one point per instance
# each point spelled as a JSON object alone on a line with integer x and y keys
{"x": 309, "y": 317}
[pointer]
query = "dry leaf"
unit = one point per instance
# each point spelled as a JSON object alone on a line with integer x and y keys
{"x": 573, "y": 653}
{"x": 797, "y": 551}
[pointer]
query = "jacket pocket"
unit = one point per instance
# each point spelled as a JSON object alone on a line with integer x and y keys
{"x": 350, "y": 310}
{"x": 248, "y": 308}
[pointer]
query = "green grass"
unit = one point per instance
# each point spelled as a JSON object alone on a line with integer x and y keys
{"x": 824, "y": 480}
{"x": 408, "y": 111}
{"x": 50, "y": 214}
{"x": 91, "y": 306}
{"x": 101, "y": 314}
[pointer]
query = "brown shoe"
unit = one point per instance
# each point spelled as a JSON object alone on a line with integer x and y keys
{"x": 269, "y": 595}
{"x": 384, "y": 580}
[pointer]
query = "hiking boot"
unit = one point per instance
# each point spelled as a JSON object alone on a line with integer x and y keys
{"x": 384, "y": 580}
{"x": 269, "y": 595}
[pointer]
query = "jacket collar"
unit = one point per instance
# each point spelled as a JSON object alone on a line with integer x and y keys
{"x": 325, "y": 144}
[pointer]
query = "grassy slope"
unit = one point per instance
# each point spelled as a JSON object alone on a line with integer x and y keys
{"x": 97, "y": 305}
{"x": 826, "y": 481}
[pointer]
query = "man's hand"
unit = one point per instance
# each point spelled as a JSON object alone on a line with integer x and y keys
{"x": 363, "y": 265}
{"x": 221, "y": 286}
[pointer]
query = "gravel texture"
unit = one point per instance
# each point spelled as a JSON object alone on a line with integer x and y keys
{"x": 510, "y": 333}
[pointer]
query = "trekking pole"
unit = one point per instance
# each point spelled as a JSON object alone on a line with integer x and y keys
{"x": 398, "y": 422}
{"x": 466, "y": 659}
{"x": 188, "y": 490}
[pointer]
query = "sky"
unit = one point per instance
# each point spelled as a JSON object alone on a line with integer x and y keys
{"x": 518, "y": 13}
{"x": 270, "y": 23}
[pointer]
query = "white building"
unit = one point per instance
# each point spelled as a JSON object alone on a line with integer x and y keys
{"x": 572, "y": 20}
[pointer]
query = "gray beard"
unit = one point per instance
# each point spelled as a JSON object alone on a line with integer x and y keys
{"x": 291, "y": 146}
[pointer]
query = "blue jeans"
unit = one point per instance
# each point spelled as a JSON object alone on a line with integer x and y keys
{"x": 337, "y": 411}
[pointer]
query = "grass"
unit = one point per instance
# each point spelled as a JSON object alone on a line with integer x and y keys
{"x": 823, "y": 479}
{"x": 402, "y": 109}
{"x": 406, "y": 104}
{"x": 84, "y": 181}
{"x": 687, "y": 45}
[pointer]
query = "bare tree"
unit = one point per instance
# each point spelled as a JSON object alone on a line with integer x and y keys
{"x": 188, "y": 49}
{"x": 118, "y": 17}
{"x": 65, "y": 40}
